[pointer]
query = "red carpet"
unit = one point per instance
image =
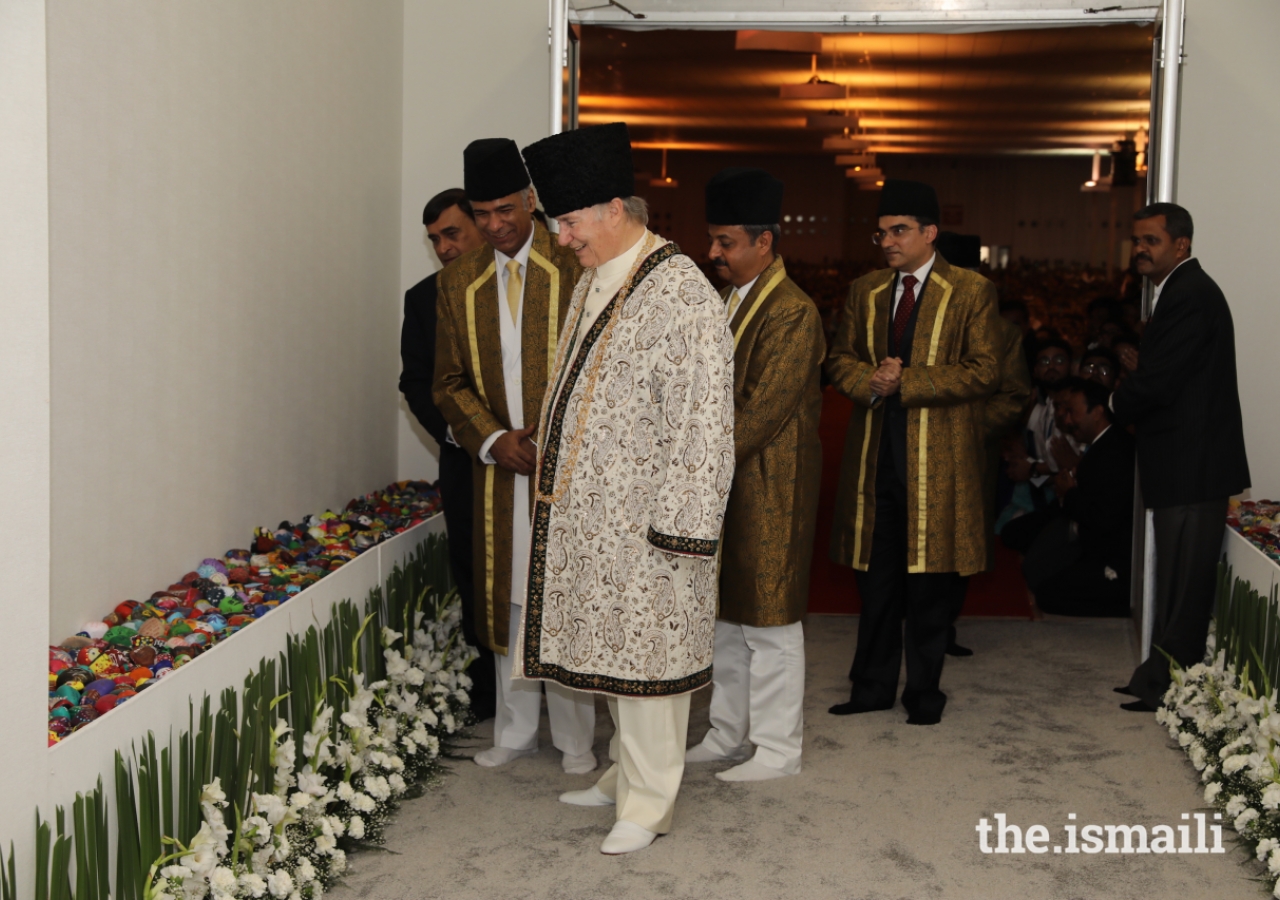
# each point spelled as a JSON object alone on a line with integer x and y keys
{"x": 831, "y": 587}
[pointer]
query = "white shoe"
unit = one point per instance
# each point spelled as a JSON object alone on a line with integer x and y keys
{"x": 500, "y": 756}
{"x": 701, "y": 753}
{"x": 580, "y": 764}
{"x": 751, "y": 771}
{"x": 592, "y": 796}
{"x": 626, "y": 837}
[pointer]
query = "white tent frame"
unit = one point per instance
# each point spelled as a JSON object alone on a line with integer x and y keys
{"x": 1169, "y": 14}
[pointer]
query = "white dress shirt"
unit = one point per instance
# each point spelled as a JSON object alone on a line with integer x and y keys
{"x": 921, "y": 274}
{"x": 742, "y": 295}
{"x": 511, "y": 343}
{"x": 1155, "y": 298}
{"x": 608, "y": 279}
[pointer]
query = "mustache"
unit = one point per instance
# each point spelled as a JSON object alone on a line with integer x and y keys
{"x": 720, "y": 263}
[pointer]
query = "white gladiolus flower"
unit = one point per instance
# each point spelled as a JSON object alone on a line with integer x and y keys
{"x": 311, "y": 783}
{"x": 202, "y": 855}
{"x": 271, "y": 807}
{"x": 390, "y": 636}
{"x": 280, "y": 883}
{"x": 213, "y": 792}
{"x": 175, "y": 872}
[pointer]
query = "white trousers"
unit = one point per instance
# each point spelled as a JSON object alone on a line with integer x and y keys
{"x": 758, "y": 693}
{"x": 647, "y": 750}
{"x": 519, "y": 707}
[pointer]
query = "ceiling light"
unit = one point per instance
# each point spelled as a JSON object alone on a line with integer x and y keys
{"x": 664, "y": 180}
{"x": 813, "y": 89}
{"x": 1096, "y": 183}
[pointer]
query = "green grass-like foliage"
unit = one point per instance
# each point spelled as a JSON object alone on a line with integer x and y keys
{"x": 1247, "y": 629}
{"x": 158, "y": 788}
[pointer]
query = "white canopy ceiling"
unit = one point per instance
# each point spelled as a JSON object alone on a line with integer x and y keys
{"x": 859, "y": 15}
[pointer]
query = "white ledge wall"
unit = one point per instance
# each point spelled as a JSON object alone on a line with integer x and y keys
{"x": 224, "y": 193}
{"x": 472, "y": 69}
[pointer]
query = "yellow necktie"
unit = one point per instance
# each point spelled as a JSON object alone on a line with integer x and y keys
{"x": 734, "y": 300}
{"x": 514, "y": 288}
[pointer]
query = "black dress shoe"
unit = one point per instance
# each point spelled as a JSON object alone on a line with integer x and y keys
{"x": 954, "y": 649}
{"x": 1124, "y": 690}
{"x": 854, "y": 707}
{"x": 1138, "y": 706}
{"x": 930, "y": 718}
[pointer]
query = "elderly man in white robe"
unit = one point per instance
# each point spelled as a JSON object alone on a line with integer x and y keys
{"x": 635, "y": 463}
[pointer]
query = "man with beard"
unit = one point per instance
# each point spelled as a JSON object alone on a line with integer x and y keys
{"x": 635, "y": 462}
{"x": 502, "y": 308}
{"x": 452, "y": 231}
{"x": 915, "y": 354}
{"x": 757, "y": 695}
{"x": 1183, "y": 400}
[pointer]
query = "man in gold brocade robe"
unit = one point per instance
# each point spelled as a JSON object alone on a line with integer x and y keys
{"x": 915, "y": 353}
{"x": 500, "y": 311}
{"x": 758, "y": 683}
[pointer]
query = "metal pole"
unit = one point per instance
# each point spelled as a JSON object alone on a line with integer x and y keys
{"x": 1171, "y": 66}
{"x": 558, "y": 35}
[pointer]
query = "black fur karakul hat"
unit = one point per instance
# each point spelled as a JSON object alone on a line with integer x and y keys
{"x": 738, "y": 196}
{"x": 492, "y": 168}
{"x": 909, "y": 198}
{"x": 576, "y": 169}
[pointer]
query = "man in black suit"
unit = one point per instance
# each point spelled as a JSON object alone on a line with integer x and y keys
{"x": 1079, "y": 564}
{"x": 1183, "y": 401}
{"x": 452, "y": 231}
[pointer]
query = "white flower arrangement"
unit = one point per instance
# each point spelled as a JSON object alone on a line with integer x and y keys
{"x": 357, "y": 762}
{"x": 1229, "y": 732}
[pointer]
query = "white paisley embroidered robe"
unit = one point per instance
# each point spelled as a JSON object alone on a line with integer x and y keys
{"x": 636, "y": 459}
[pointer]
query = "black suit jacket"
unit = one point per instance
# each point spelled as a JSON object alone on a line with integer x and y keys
{"x": 1183, "y": 398}
{"x": 418, "y": 356}
{"x": 1101, "y": 503}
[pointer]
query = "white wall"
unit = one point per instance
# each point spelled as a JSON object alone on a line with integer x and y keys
{"x": 24, "y": 409}
{"x": 474, "y": 69}
{"x": 224, "y": 187}
{"x": 1229, "y": 129}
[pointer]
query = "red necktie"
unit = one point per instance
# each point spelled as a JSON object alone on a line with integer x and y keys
{"x": 905, "y": 305}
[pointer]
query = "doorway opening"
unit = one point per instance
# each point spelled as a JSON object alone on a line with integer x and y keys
{"x": 1036, "y": 141}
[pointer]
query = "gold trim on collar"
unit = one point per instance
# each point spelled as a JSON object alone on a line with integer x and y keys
{"x": 553, "y": 306}
{"x": 755, "y": 306}
{"x": 471, "y": 326}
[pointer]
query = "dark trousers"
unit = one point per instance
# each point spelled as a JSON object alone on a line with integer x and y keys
{"x": 890, "y": 597}
{"x": 455, "y": 494}
{"x": 1067, "y": 580}
{"x": 1188, "y": 546}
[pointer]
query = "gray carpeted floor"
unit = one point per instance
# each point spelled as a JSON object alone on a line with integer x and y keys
{"x": 882, "y": 810}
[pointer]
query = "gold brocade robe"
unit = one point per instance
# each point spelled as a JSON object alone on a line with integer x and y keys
{"x": 768, "y": 528}
{"x": 1004, "y": 411}
{"x": 954, "y": 368}
{"x": 470, "y": 391}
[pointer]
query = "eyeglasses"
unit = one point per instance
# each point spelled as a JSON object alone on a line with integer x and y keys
{"x": 897, "y": 231}
{"x": 1045, "y": 361}
{"x": 1097, "y": 369}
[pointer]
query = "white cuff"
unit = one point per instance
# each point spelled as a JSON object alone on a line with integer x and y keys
{"x": 448, "y": 436}
{"x": 488, "y": 443}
